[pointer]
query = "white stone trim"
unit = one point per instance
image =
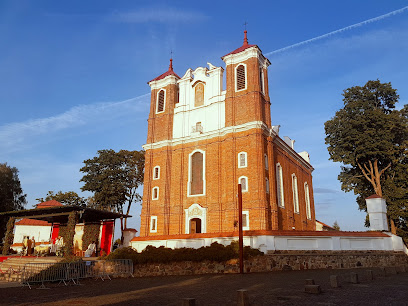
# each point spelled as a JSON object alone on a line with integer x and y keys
{"x": 153, "y": 189}
{"x": 157, "y": 101}
{"x": 170, "y": 79}
{"x": 247, "y": 54}
{"x": 239, "y": 159}
{"x": 236, "y": 79}
{"x": 154, "y": 173}
{"x": 246, "y": 181}
{"x": 189, "y": 174}
{"x": 153, "y": 230}
{"x": 196, "y": 211}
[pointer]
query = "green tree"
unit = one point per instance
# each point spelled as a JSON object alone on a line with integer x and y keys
{"x": 65, "y": 198}
{"x": 370, "y": 138}
{"x": 11, "y": 193}
{"x": 336, "y": 226}
{"x": 114, "y": 178}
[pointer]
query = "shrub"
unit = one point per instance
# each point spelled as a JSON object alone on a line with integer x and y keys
{"x": 215, "y": 252}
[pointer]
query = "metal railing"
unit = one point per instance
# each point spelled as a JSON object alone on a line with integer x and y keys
{"x": 72, "y": 272}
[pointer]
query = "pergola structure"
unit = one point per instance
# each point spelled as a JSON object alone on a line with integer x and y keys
{"x": 66, "y": 217}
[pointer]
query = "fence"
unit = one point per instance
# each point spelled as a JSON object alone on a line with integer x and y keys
{"x": 74, "y": 271}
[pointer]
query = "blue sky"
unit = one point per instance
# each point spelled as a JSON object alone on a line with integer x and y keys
{"x": 73, "y": 76}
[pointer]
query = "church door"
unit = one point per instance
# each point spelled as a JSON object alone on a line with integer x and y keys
{"x": 195, "y": 226}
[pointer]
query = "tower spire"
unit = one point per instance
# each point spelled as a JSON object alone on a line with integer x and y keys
{"x": 171, "y": 61}
{"x": 245, "y": 34}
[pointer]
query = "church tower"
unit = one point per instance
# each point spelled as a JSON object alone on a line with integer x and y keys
{"x": 203, "y": 141}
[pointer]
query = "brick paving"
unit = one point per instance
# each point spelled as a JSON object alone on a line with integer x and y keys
{"x": 272, "y": 288}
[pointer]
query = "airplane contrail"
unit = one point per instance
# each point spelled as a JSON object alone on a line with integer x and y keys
{"x": 393, "y": 13}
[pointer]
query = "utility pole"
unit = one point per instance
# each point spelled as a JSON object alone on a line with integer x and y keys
{"x": 241, "y": 238}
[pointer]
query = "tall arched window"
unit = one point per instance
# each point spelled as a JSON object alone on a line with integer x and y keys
{"x": 196, "y": 183}
{"x": 199, "y": 94}
{"x": 266, "y": 161}
{"x": 279, "y": 185}
{"x": 261, "y": 80}
{"x": 242, "y": 160}
{"x": 243, "y": 180}
{"x": 160, "y": 101}
{"x": 155, "y": 193}
{"x": 240, "y": 77}
{"x": 307, "y": 200}
{"x": 295, "y": 194}
{"x": 156, "y": 172}
{"x": 267, "y": 185}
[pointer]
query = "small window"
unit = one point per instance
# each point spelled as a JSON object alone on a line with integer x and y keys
{"x": 199, "y": 95}
{"x": 245, "y": 220}
{"x": 261, "y": 80}
{"x": 155, "y": 193}
{"x": 243, "y": 180}
{"x": 295, "y": 194}
{"x": 160, "y": 101}
{"x": 156, "y": 172}
{"x": 241, "y": 77}
{"x": 307, "y": 200}
{"x": 279, "y": 185}
{"x": 266, "y": 161}
{"x": 242, "y": 160}
{"x": 267, "y": 185}
{"x": 153, "y": 224}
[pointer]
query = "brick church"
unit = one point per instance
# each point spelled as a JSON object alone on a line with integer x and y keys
{"x": 204, "y": 140}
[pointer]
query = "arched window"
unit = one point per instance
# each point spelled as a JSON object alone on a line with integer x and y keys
{"x": 155, "y": 193}
{"x": 243, "y": 180}
{"x": 156, "y": 172}
{"x": 307, "y": 200}
{"x": 196, "y": 175}
{"x": 279, "y": 185}
{"x": 160, "y": 101}
{"x": 153, "y": 224}
{"x": 266, "y": 161}
{"x": 261, "y": 80}
{"x": 199, "y": 94}
{"x": 242, "y": 160}
{"x": 240, "y": 77}
{"x": 295, "y": 194}
{"x": 267, "y": 184}
{"x": 245, "y": 220}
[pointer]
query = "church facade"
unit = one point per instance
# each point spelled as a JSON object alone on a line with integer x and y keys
{"x": 204, "y": 140}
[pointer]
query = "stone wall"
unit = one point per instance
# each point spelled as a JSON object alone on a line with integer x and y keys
{"x": 280, "y": 261}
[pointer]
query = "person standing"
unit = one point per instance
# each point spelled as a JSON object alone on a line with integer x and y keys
{"x": 25, "y": 246}
{"x": 32, "y": 245}
{"x": 29, "y": 243}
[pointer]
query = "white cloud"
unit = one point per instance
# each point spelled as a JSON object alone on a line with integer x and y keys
{"x": 160, "y": 15}
{"x": 14, "y": 136}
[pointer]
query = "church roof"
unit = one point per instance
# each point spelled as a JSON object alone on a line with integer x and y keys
{"x": 167, "y": 73}
{"x": 33, "y": 222}
{"x": 52, "y": 203}
{"x": 244, "y": 46}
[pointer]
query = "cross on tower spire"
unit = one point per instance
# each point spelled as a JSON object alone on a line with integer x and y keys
{"x": 245, "y": 34}
{"x": 171, "y": 60}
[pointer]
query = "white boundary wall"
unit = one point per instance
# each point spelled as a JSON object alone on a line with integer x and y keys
{"x": 289, "y": 243}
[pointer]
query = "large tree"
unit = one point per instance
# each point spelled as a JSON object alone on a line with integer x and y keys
{"x": 114, "y": 178}
{"x": 65, "y": 198}
{"x": 369, "y": 136}
{"x": 12, "y": 196}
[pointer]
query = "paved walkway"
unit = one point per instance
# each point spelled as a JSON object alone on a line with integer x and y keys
{"x": 272, "y": 288}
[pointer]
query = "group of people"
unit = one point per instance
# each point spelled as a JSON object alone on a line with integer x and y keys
{"x": 28, "y": 246}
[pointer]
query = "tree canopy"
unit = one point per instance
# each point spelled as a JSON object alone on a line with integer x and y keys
{"x": 369, "y": 136}
{"x": 12, "y": 196}
{"x": 65, "y": 198}
{"x": 114, "y": 178}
